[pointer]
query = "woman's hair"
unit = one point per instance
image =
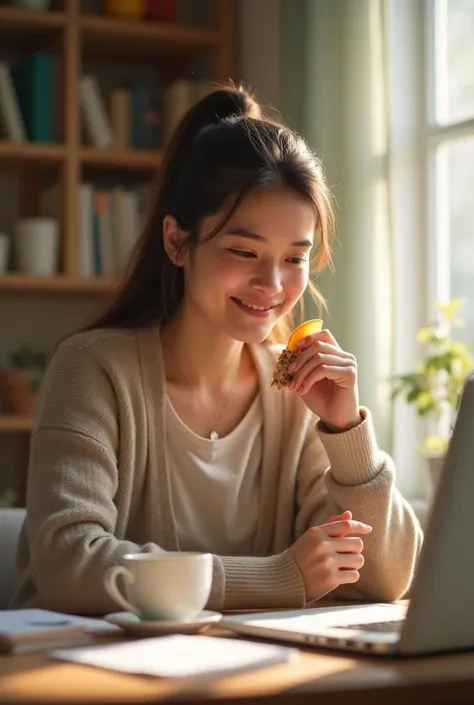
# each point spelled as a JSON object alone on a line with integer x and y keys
{"x": 222, "y": 150}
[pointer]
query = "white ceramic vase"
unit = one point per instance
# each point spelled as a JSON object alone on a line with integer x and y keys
{"x": 37, "y": 246}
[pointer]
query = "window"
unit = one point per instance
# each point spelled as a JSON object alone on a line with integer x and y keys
{"x": 451, "y": 153}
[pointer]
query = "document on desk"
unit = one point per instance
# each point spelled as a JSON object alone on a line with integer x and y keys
{"x": 37, "y": 629}
{"x": 180, "y": 656}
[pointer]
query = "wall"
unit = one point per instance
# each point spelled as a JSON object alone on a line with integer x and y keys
{"x": 259, "y": 49}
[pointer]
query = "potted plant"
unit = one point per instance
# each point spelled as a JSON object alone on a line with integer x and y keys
{"x": 436, "y": 384}
{"x": 21, "y": 381}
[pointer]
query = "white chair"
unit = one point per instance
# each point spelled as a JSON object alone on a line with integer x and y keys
{"x": 11, "y": 521}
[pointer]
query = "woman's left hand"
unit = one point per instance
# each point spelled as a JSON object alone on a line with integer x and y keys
{"x": 326, "y": 378}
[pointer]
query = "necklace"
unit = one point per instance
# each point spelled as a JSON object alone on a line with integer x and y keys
{"x": 214, "y": 417}
{"x": 214, "y": 435}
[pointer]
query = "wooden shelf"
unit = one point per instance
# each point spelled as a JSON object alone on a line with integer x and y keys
{"x": 15, "y": 423}
{"x": 22, "y": 283}
{"x": 138, "y": 39}
{"x": 18, "y": 19}
{"x": 31, "y": 153}
{"x": 120, "y": 158}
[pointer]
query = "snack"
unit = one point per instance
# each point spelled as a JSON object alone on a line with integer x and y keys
{"x": 281, "y": 374}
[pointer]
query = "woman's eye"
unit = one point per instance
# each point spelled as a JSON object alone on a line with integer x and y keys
{"x": 297, "y": 260}
{"x": 243, "y": 253}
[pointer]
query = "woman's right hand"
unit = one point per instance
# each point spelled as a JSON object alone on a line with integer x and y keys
{"x": 328, "y": 555}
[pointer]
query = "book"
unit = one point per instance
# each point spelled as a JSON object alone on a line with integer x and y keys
{"x": 106, "y": 237}
{"x": 179, "y": 97}
{"x": 120, "y": 111}
{"x": 88, "y": 267}
{"x": 11, "y": 120}
{"x": 22, "y": 631}
{"x": 96, "y": 121}
{"x": 33, "y": 80}
{"x": 147, "y": 115}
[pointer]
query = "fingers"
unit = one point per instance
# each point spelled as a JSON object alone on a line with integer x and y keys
{"x": 351, "y": 561}
{"x": 343, "y": 374}
{"x": 345, "y": 515}
{"x": 351, "y": 544}
{"x": 315, "y": 348}
{"x": 323, "y": 336}
{"x": 344, "y": 377}
{"x": 322, "y": 360}
{"x": 345, "y": 526}
{"x": 346, "y": 577}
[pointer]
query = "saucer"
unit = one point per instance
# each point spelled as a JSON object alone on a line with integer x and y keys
{"x": 132, "y": 624}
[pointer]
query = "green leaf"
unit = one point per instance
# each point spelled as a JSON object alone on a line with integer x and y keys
{"x": 450, "y": 309}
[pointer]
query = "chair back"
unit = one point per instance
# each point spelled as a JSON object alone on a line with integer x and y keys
{"x": 11, "y": 521}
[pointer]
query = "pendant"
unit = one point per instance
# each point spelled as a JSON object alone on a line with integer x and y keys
{"x": 214, "y": 436}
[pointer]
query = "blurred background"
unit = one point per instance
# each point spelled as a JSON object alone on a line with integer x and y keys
{"x": 383, "y": 90}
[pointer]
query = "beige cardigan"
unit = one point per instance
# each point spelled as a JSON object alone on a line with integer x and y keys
{"x": 98, "y": 485}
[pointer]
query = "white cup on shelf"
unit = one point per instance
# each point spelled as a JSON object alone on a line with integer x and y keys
{"x": 37, "y": 246}
{"x": 4, "y": 252}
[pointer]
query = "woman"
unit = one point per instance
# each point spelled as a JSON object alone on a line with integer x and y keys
{"x": 158, "y": 428}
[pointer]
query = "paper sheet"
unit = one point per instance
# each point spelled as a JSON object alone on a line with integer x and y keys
{"x": 179, "y": 656}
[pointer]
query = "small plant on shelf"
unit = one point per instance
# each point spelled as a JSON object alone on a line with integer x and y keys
{"x": 20, "y": 382}
{"x": 435, "y": 385}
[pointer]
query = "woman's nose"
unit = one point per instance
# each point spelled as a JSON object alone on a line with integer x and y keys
{"x": 268, "y": 279}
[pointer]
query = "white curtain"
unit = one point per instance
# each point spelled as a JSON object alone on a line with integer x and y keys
{"x": 343, "y": 106}
{"x": 336, "y": 83}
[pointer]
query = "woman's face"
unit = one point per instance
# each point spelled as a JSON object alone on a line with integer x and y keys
{"x": 254, "y": 271}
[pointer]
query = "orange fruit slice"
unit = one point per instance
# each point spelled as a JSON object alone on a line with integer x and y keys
{"x": 302, "y": 331}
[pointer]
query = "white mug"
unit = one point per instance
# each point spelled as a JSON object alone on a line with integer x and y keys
{"x": 172, "y": 585}
{"x": 37, "y": 246}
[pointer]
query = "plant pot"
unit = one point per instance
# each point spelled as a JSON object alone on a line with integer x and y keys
{"x": 19, "y": 391}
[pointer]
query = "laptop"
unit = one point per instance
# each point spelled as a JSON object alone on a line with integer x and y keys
{"x": 440, "y": 614}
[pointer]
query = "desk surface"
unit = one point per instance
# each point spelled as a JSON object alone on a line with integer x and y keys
{"x": 334, "y": 678}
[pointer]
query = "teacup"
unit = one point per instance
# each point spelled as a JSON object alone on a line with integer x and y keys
{"x": 171, "y": 585}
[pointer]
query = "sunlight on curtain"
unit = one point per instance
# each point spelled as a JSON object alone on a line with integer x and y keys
{"x": 336, "y": 98}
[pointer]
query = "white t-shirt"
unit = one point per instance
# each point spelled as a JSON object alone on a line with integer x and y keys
{"x": 215, "y": 484}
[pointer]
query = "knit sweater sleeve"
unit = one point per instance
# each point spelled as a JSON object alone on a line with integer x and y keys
{"x": 73, "y": 478}
{"x": 359, "y": 477}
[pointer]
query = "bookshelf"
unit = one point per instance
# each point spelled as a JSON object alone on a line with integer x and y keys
{"x": 18, "y": 423}
{"x": 77, "y": 38}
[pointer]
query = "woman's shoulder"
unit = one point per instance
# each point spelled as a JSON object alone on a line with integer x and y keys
{"x": 98, "y": 341}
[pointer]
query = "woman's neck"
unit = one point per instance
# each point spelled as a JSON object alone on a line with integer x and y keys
{"x": 196, "y": 355}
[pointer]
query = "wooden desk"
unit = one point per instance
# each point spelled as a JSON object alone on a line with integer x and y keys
{"x": 317, "y": 678}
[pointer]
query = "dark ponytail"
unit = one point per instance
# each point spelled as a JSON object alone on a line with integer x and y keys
{"x": 222, "y": 148}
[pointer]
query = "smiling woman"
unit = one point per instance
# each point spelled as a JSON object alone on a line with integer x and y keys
{"x": 158, "y": 429}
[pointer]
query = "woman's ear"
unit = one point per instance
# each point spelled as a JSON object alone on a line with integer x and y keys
{"x": 172, "y": 240}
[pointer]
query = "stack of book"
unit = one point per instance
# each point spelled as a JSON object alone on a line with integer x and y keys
{"x": 136, "y": 115}
{"x": 110, "y": 223}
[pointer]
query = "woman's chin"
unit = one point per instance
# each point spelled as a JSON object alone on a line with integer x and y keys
{"x": 257, "y": 334}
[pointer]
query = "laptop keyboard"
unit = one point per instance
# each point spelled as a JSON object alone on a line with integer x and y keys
{"x": 376, "y": 626}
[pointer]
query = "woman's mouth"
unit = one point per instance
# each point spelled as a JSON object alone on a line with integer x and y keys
{"x": 254, "y": 309}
